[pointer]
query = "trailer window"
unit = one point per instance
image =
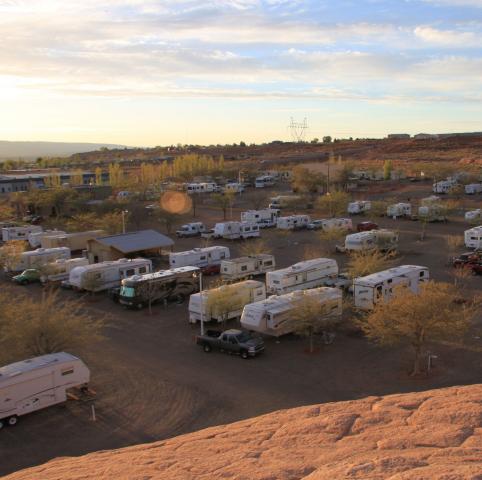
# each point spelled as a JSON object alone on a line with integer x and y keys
{"x": 142, "y": 270}
{"x": 244, "y": 268}
{"x": 67, "y": 371}
{"x": 130, "y": 272}
{"x": 268, "y": 263}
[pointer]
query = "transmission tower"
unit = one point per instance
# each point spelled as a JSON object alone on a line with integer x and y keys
{"x": 298, "y": 130}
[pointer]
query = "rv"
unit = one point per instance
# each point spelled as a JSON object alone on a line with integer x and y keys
{"x": 235, "y": 230}
{"x": 207, "y": 187}
{"x": 38, "y": 383}
{"x": 382, "y": 239}
{"x": 243, "y": 293}
{"x": 360, "y": 206}
{"x": 38, "y": 258}
{"x": 473, "y": 237}
{"x": 370, "y": 290}
{"x": 264, "y": 218}
{"x": 104, "y": 275}
{"x": 301, "y": 275}
{"x": 473, "y": 188}
{"x": 444, "y": 186}
{"x": 431, "y": 212}
{"x": 234, "y": 187}
{"x": 473, "y": 215}
{"x": 35, "y": 238}
{"x": 264, "y": 181}
{"x": 75, "y": 241}
{"x": 273, "y": 315}
{"x": 293, "y": 222}
{"x": 176, "y": 284}
{"x": 19, "y": 233}
{"x": 246, "y": 267}
{"x": 336, "y": 223}
{"x": 283, "y": 201}
{"x": 399, "y": 210}
{"x": 60, "y": 269}
{"x": 208, "y": 259}
{"x": 191, "y": 230}
{"x": 430, "y": 200}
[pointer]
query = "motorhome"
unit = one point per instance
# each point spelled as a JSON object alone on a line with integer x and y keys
{"x": 273, "y": 315}
{"x": 283, "y": 201}
{"x": 38, "y": 383}
{"x": 246, "y": 267}
{"x": 264, "y": 181}
{"x": 175, "y": 284}
{"x": 473, "y": 215}
{"x": 373, "y": 239}
{"x": 397, "y": 210}
{"x": 38, "y": 258}
{"x": 293, "y": 222}
{"x": 473, "y": 237}
{"x": 75, "y": 241}
{"x": 473, "y": 188}
{"x": 307, "y": 274}
{"x": 19, "y": 233}
{"x": 264, "y": 218}
{"x": 104, "y": 275}
{"x": 336, "y": 224}
{"x": 370, "y": 290}
{"x": 207, "y": 259}
{"x": 240, "y": 294}
{"x": 205, "y": 187}
{"x": 236, "y": 230}
{"x": 358, "y": 207}
{"x": 35, "y": 238}
{"x": 234, "y": 187}
{"x": 444, "y": 186}
{"x": 60, "y": 269}
{"x": 191, "y": 230}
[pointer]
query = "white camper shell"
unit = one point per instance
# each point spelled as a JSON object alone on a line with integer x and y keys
{"x": 293, "y": 222}
{"x": 397, "y": 210}
{"x": 104, "y": 275}
{"x": 246, "y": 267}
{"x": 264, "y": 181}
{"x": 473, "y": 215}
{"x": 370, "y": 290}
{"x": 360, "y": 206}
{"x": 60, "y": 269}
{"x": 307, "y": 274}
{"x": 35, "y": 238}
{"x": 473, "y": 188}
{"x": 336, "y": 224}
{"x": 38, "y": 383}
{"x": 273, "y": 315}
{"x": 264, "y": 218}
{"x": 40, "y": 257}
{"x": 199, "y": 257}
{"x": 373, "y": 239}
{"x": 19, "y": 233}
{"x": 473, "y": 237}
{"x": 245, "y": 292}
{"x": 236, "y": 230}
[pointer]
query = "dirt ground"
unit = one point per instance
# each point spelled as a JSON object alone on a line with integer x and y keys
{"x": 153, "y": 382}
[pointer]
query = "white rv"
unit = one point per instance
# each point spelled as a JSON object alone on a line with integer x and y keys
{"x": 473, "y": 215}
{"x": 264, "y": 218}
{"x": 19, "y": 233}
{"x": 234, "y": 187}
{"x": 38, "y": 383}
{"x": 35, "y": 238}
{"x": 283, "y": 201}
{"x": 236, "y": 230}
{"x": 191, "y": 230}
{"x": 245, "y": 267}
{"x": 104, "y": 275}
{"x": 206, "y": 187}
{"x": 243, "y": 293}
{"x": 307, "y": 274}
{"x": 473, "y": 188}
{"x": 431, "y": 212}
{"x": 264, "y": 181}
{"x": 336, "y": 223}
{"x": 40, "y": 257}
{"x": 360, "y": 206}
{"x": 370, "y": 290}
{"x": 473, "y": 237}
{"x": 60, "y": 269}
{"x": 204, "y": 258}
{"x": 444, "y": 186}
{"x": 373, "y": 239}
{"x": 75, "y": 241}
{"x": 293, "y": 222}
{"x": 273, "y": 315}
{"x": 399, "y": 210}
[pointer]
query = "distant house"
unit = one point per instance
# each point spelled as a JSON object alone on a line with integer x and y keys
{"x": 398, "y": 136}
{"x": 425, "y": 136}
{"x": 144, "y": 243}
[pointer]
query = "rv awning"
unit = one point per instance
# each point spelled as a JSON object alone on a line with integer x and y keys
{"x": 136, "y": 241}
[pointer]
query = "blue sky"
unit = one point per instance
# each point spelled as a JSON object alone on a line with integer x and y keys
{"x": 145, "y": 72}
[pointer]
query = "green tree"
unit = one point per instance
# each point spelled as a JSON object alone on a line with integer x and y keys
{"x": 334, "y": 203}
{"x": 387, "y": 169}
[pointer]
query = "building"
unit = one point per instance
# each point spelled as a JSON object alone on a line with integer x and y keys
{"x": 398, "y": 136}
{"x": 144, "y": 243}
{"x": 425, "y": 136}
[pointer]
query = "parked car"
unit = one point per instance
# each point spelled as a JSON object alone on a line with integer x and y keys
{"x": 469, "y": 257}
{"x": 366, "y": 226}
{"x": 211, "y": 269}
{"x": 315, "y": 225}
{"x": 231, "y": 341}
{"x": 31, "y": 275}
{"x": 476, "y": 268}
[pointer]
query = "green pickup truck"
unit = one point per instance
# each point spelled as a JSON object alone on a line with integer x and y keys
{"x": 30, "y": 275}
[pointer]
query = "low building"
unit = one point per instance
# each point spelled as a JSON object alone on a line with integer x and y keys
{"x": 398, "y": 136}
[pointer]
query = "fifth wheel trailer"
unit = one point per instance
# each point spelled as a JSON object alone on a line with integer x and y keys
{"x": 75, "y": 241}
{"x": 473, "y": 237}
{"x": 382, "y": 239}
{"x": 264, "y": 218}
{"x": 245, "y": 267}
{"x": 19, "y": 233}
{"x": 35, "y": 238}
{"x": 204, "y": 258}
{"x": 38, "y": 383}
{"x": 360, "y": 206}
{"x": 40, "y": 257}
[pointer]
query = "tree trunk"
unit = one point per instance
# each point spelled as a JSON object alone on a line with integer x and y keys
{"x": 311, "y": 340}
{"x": 416, "y": 360}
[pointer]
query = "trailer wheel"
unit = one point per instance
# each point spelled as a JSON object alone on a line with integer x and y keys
{"x": 139, "y": 306}
{"x": 1, "y": 424}
{"x": 244, "y": 354}
{"x": 12, "y": 421}
{"x": 207, "y": 347}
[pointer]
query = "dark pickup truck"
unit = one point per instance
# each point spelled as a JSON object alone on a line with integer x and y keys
{"x": 231, "y": 341}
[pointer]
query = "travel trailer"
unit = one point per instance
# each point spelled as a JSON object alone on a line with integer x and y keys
{"x": 191, "y": 230}
{"x": 273, "y": 315}
{"x": 75, "y": 241}
{"x": 336, "y": 223}
{"x": 206, "y": 187}
{"x": 19, "y": 233}
{"x": 370, "y": 290}
{"x": 360, "y": 206}
{"x": 60, "y": 269}
{"x": 35, "y": 238}
{"x": 39, "y": 257}
{"x": 208, "y": 258}
{"x": 243, "y": 293}
{"x": 264, "y": 218}
{"x": 473, "y": 237}
{"x": 293, "y": 222}
{"x": 444, "y": 186}
{"x": 246, "y": 267}
{"x": 104, "y": 275}
{"x": 473, "y": 215}
{"x": 473, "y": 188}
{"x": 264, "y": 181}
{"x": 431, "y": 212}
{"x": 283, "y": 201}
{"x": 236, "y": 230}
{"x": 307, "y": 274}
{"x": 430, "y": 200}
{"x": 234, "y": 187}
{"x": 373, "y": 239}
{"x": 176, "y": 284}
{"x": 38, "y": 383}
{"x": 397, "y": 210}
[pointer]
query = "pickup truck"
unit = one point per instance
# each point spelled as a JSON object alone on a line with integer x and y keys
{"x": 231, "y": 341}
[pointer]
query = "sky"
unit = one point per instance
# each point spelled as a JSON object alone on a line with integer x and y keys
{"x": 161, "y": 72}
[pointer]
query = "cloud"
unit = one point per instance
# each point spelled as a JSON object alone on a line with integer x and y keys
{"x": 452, "y": 38}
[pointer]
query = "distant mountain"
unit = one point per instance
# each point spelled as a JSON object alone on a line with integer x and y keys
{"x": 31, "y": 150}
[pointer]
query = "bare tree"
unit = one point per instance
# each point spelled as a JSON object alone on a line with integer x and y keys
{"x": 367, "y": 262}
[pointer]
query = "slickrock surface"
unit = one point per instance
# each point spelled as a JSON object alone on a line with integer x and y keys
{"x": 430, "y": 435}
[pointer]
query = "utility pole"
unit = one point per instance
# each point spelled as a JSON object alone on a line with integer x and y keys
{"x": 201, "y": 306}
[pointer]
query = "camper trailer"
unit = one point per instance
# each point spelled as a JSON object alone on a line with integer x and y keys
{"x": 176, "y": 284}
{"x": 35, "y": 238}
{"x": 373, "y": 239}
{"x": 473, "y": 237}
{"x": 431, "y": 212}
{"x": 336, "y": 223}
{"x": 19, "y": 233}
{"x": 246, "y": 267}
{"x": 473, "y": 215}
{"x": 444, "y": 186}
{"x": 243, "y": 293}
{"x": 273, "y": 315}
{"x": 293, "y": 222}
{"x": 358, "y": 207}
{"x": 473, "y": 188}
{"x": 397, "y": 210}
{"x": 191, "y": 230}
{"x": 104, "y": 275}
{"x": 307, "y": 274}
{"x": 75, "y": 241}
{"x": 264, "y": 181}
{"x": 38, "y": 383}
{"x": 39, "y": 257}
{"x": 264, "y": 218}
{"x": 208, "y": 259}
{"x": 206, "y": 187}
{"x": 234, "y": 187}
{"x": 236, "y": 230}
{"x": 370, "y": 290}
{"x": 60, "y": 269}
{"x": 283, "y": 201}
